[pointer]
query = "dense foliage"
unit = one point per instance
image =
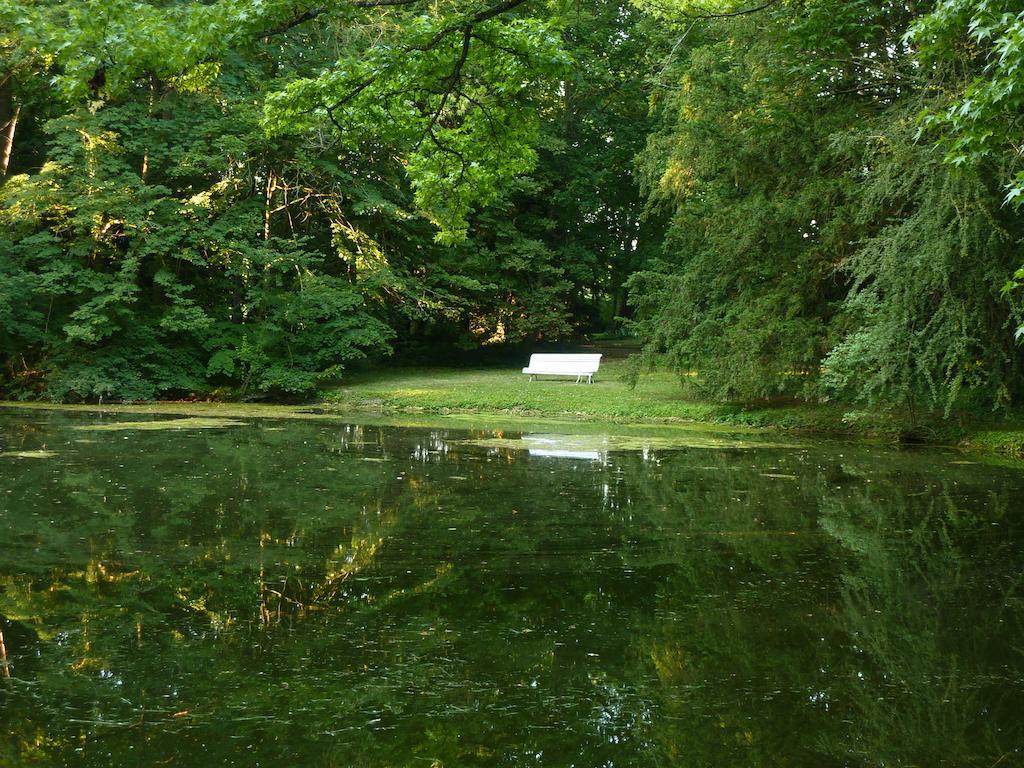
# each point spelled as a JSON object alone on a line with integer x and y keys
{"x": 818, "y": 245}
{"x": 812, "y": 198}
{"x": 253, "y": 195}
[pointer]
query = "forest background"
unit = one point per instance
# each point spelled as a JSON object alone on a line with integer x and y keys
{"x": 816, "y": 199}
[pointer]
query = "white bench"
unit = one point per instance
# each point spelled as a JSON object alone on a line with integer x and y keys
{"x": 580, "y": 366}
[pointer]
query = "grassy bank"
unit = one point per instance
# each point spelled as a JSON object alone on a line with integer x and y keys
{"x": 504, "y": 398}
{"x": 507, "y": 391}
{"x": 657, "y": 398}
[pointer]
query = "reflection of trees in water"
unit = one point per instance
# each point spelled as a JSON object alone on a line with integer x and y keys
{"x": 735, "y": 640}
{"x": 377, "y": 595}
{"x": 876, "y": 631}
{"x": 928, "y": 612}
{"x": 122, "y": 555}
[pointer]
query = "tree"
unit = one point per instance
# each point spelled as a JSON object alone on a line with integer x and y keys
{"x": 979, "y": 121}
{"x": 816, "y": 247}
{"x": 238, "y": 206}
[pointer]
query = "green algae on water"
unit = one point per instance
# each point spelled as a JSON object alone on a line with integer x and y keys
{"x": 187, "y": 423}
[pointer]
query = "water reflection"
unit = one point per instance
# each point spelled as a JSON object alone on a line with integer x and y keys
{"x": 556, "y": 446}
{"x": 355, "y": 595}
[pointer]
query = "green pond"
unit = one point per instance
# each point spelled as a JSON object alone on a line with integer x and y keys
{"x": 260, "y": 592}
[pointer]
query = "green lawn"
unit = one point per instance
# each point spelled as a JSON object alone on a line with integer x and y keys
{"x": 507, "y": 390}
{"x": 505, "y": 396}
{"x": 657, "y": 398}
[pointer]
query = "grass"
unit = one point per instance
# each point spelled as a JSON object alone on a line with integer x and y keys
{"x": 507, "y": 391}
{"x": 503, "y": 398}
{"x": 657, "y": 399}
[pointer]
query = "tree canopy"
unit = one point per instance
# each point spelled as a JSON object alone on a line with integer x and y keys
{"x": 813, "y": 198}
{"x": 818, "y": 244}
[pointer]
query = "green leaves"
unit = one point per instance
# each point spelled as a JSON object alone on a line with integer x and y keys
{"x": 456, "y": 99}
{"x": 299, "y": 335}
{"x": 256, "y": 193}
{"x": 127, "y": 288}
{"x": 815, "y": 249}
{"x": 981, "y": 121}
{"x": 101, "y": 47}
{"x": 451, "y": 91}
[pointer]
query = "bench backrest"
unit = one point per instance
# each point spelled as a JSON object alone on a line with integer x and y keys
{"x": 568, "y": 363}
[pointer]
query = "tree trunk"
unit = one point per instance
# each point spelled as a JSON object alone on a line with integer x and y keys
{"x": 621, "y": 304}
{"x": 144, "y": 171}
{"x": 4, "y": 670}
{"x": 9, "y": 113}
{"x": 268, "y": 200}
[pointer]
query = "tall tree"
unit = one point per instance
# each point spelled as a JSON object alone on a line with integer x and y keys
{"x": 231, "y": 190}
{"x": 817, "y": 248}
{"x": 979, "y": 122}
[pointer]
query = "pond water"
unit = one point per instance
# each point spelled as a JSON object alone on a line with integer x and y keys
{"x": 293, "y": 593}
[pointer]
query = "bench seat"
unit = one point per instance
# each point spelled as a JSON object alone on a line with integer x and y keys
{"x": 581, "y": 367}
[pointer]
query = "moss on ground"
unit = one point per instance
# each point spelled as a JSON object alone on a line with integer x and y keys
{"x": 190, "y": 422}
